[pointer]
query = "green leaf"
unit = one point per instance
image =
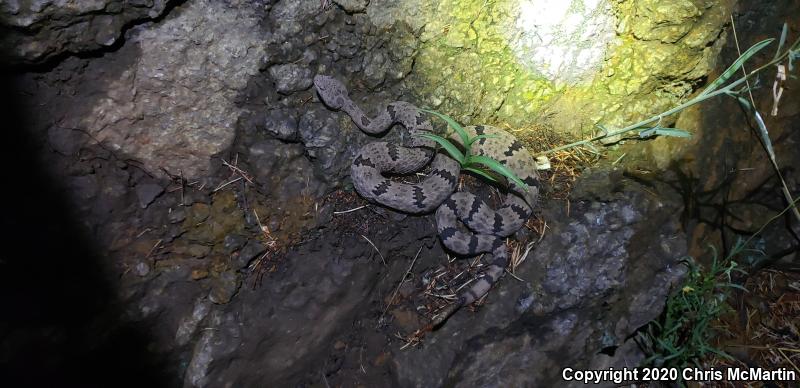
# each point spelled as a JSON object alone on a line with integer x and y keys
{"x": 745, "y": 104}
{"x": 782, "y": 40}
{"x": 498, "y": 168}
{"x": 762, "y": 128}
{"x": 454, "y": 152}
{"x": 733, "y": 68}
{"x": 476, "y": 138}
{"x": 481, "y": 173}
{"x": 736, "y": 286}
{"x": 658, "y": 131}
{"x": 459, "y": 129}
{"x": 602, "y": 128}
{"x": 721, "y": 353}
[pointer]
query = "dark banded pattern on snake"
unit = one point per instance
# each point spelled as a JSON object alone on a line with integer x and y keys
{"x": 486, "y": 229}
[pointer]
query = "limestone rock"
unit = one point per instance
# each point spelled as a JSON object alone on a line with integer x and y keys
{"x": 291, "y": 77}
{"x": 174, "y": 106}
{"x": 353, "y": 5}
{"x": 35, "y": 31}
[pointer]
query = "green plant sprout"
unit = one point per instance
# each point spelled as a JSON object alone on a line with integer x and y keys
{"x": 713, "y": 90}
{"x": 682, "y": 334}
{"x": 469, "y": 161}
{"x": 734, "y": 89}
{"x": 763, "y": 134}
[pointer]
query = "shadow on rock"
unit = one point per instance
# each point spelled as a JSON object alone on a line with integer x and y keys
{"x": 61, "y": 325}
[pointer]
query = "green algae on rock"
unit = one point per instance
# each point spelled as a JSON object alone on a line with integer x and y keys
{"x": 571, "y": 64}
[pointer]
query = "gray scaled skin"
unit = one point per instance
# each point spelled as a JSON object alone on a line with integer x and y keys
{"x": 465, "y": 223}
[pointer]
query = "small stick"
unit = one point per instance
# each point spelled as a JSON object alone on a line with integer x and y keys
{"x": 445, "y": 297}
{"x": 521, "y": 258}
{"x": 400, "y": 284}
{"x": 351, "y": 210}
{"x": 376, "y": 249}
{"x": 463, "y": 285}
{"x": 788, "y": 359}
{"x": 237, "y": 169}
{"x": 154, "y": 247}
{"x": 225, "y": 184}
{"x": 143, "y": 232}
{"x": 325, "y": 379}
{"x": 541, "y": 236}
{"x": 514, "y": 276}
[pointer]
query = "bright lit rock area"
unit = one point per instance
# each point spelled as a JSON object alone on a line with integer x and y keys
{"x": 228, "y": 193}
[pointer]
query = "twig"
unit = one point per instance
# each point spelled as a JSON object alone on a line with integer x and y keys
{"x": 445, "y": 297}
{"x": 541, "y": 236}
{"x": 269, "y": 240}
{"x": 376, "y": 249}
{"x": 351, "y": 210}
{"x": 154, "y": 248}
{"x": 788, "y": 359}
{"x": 464, "y": 285}
{"x": 514, "y": 276}
{"x": 391, "y": 300}
{"x": 238, "y": 170}
{"x": 220, "y": 187}
{"x": 517, "y": 258}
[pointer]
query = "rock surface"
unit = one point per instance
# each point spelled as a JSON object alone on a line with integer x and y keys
{"x": 34, "y": 31}
{"x": 174, "y": 108}
{"x": 584, "y": 56}
{"x": 596, "y": 277}
{"x": 262, "y": 270}
{"x": 353, "y": 5}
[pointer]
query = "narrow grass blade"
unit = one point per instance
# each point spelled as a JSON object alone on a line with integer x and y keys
{"x": 603, "y": 128}
{"x": 454, "y": 152}
{"x": 458, "y": 128}
{"x": 733, "y": 68}
{"x": 736, "y": 286}
{"x": 784, "y": 32}
{"x": 476, "y": 138}
{"x": 764, "y": 135}
{"x": 481, "y": 173}
{"x": 671, "y": 132}
{"x": 498, "y": 168}
{"x": 720, "y": 353}
{"x": 592, "y": 148}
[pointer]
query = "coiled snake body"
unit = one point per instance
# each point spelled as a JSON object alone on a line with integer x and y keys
{"x": 486, "y": 228}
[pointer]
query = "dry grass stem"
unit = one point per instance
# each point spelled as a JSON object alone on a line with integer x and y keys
{"x": 350, "y": 210}
{"x": 397, "y": 289}
{"x": 376, "y": 249}
{"x": 221, "y": 186}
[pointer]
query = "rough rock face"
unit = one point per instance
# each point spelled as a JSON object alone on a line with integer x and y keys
{"x": 353, "y": 5}
{"x": 597, "y": 276}
{"x": 260, "y": 282}
{"x": 294, "y": 315}
{"x": 611, "y": 56}
{"x": 35, "y": 31}
{"x": 174, "y": 107}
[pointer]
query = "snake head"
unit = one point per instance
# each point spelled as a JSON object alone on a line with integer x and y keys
{"x": 331, "y": 91}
